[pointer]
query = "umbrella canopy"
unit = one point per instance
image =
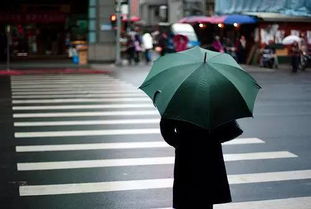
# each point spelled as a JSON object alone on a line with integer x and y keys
{"x": 240, "y": 19}
{"x": 288, "y": 40}
{"x": 202, "y": 87}
{"x": 132, "y": 19}
{"x": 194, "y": 19}
{"x": 227, "y": 19}
{"x": 217, "y": 19}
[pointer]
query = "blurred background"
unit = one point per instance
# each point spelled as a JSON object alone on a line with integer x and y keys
{"x": 36, "y": 30}
{"x": 77, "y": 133}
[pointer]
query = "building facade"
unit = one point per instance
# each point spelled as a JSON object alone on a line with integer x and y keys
{"x": 41, "y": 30}
{"x": 170, "y": 11}
{"x": 101, "y": 36}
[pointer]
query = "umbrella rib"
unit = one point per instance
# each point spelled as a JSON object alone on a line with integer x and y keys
{"x": 165, "y": 69}
{"x": 215, "y": 69}
{"x": 179, "y": 86}
{"x": 174, "y": 54}
{"x": 237, "y": 69}
{"x": 184, "y": 53}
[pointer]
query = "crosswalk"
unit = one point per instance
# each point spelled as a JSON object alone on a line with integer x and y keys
{"x": 94, "y": 139}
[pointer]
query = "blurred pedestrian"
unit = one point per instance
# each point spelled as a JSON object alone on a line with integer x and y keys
{"x": 180, "y": 42}
{"x": 305, "y": 57}
{"x": 241, "y": 49}
{"x": 138, "y": 47}
{"x": 147, "y": 46}
{"x": 130, "y": 47}
{"x": 200, "y": 178}
{"x": 162, "y": 43}
{"x": 230, "y": 48}
{"x": 217, "y": 45}
{"x": 170, "y": 43}
{"x": 295, "y": 56}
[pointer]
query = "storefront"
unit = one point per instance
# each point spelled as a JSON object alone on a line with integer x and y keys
{"x": 277, "y": 19}
{"x": 42, "y": 30}
{"x": 275, "y": 27}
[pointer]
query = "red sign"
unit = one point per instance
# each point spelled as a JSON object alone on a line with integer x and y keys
{"x": 33, "y": 18}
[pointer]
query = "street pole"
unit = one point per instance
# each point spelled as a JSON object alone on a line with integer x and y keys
{"x": 8, "y": 37}
{"x": 129, "y": 14}
{"x": 118, "y": 46}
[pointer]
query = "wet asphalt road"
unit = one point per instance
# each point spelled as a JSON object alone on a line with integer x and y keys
{"x": 281, "y": 124}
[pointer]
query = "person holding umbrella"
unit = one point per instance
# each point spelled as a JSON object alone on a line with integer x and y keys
{"x": 200, "y": 178}
{"x": 295, "y": 56}
{"x": 292, "y": 41}
{"x": 199, "y": 94}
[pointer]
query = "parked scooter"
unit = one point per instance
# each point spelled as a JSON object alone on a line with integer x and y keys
{"x": 305, "y": 60}
{"x": 267, "y": 58}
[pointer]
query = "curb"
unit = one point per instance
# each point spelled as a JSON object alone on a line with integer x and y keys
{"x": 52, "y": 71}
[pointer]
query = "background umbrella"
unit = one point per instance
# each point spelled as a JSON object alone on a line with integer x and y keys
{"x": 227, "y": 19}
{"x": 240, "y": 19}
{"x": 202, "y": 87}
{"x": 288, "y": 40}
{"x": 217, "y": 19}
{"x": 132, "y": 19}
{"x": 194, "y": 19}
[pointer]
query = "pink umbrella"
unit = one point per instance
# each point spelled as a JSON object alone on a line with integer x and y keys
{"x": 132, "y": 19}
{"x": 203, "y": 19}
{"x": 216, "y": 19}
{"x": 194, "y": 19}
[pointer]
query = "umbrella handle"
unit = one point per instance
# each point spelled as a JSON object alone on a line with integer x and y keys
{"x": 155, "y": 95}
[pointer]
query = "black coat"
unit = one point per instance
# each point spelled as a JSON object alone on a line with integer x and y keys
{"x": 200, "y": 177}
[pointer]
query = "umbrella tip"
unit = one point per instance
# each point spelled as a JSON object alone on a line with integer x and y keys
{"x": 205, "y": 57}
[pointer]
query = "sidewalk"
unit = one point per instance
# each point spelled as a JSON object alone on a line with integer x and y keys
{"x": 66, "y": 67}
{"x": 143, "y": 66}
{"x": 49, "y": 67}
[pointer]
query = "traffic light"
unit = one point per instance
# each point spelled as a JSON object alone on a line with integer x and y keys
{"x": 113, "y": 20}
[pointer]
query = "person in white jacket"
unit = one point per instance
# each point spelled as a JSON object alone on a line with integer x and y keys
{"x": 148, "y": 46}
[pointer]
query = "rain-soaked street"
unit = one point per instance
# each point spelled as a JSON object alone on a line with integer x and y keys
{"x": 93, "y": 141}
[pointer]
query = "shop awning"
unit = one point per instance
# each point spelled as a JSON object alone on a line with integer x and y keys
{"x": 277, "y": 17}
{"x": 226, "y": 19}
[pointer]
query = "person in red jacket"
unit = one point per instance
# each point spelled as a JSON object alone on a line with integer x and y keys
{"x": 180, "y": 42}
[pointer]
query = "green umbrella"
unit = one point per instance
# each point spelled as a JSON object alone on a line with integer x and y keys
{"x": 202, "y": 87}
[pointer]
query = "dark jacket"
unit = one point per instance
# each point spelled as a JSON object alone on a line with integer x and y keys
{"x": 200, "y": 177}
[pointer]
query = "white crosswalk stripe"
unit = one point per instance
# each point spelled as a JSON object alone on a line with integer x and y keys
{"x": 67, "y": 89}
{"x": 141, "y": 161}
{"x": 66, "y": 107}
{"x": 82, "y": 91}
{"x": 84, "y": 114}
{"x": 129, "y": 145}
{"x": 154, "y": 183}
{"x": 87, "y": 122}
{"x": 288, "y": 203}
{"x": 138, "y": 94}
{"x": 45, "y": 101}
{"x": 47, "y": 107}
{"x": 30, "y": 87}
{"x": 87, "y": 133}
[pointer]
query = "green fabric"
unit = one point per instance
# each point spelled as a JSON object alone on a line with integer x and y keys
{"x": 208, "y": 94}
